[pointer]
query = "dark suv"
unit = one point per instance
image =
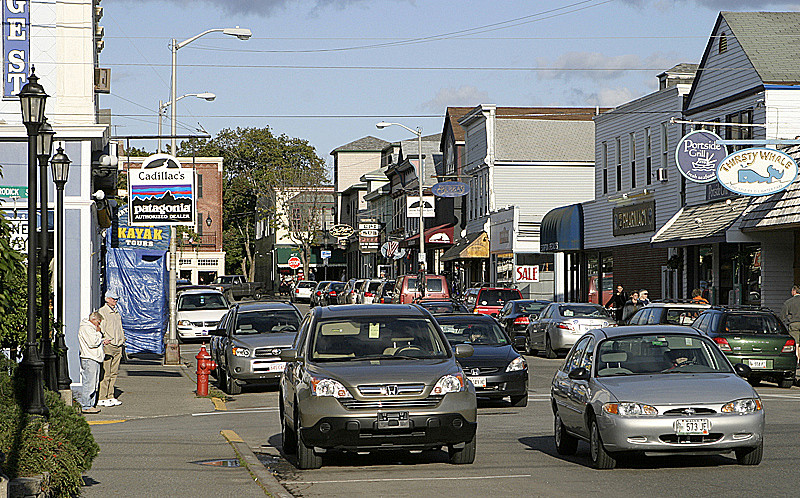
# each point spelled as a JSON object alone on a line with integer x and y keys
{"x": 755, "y": 337}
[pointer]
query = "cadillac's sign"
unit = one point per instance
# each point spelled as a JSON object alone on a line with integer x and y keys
{"x": 161, "y": 192}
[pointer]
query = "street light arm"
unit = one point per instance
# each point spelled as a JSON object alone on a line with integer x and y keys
{"x": 384, "y": 124}
{"x": 205, "y": 96}
{"x": 182, "y": 44}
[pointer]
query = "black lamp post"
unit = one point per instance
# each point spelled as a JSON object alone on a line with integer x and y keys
{"x": 32, "y": 99}
{"x": 44, "y": 149}
{"x": 59, "y": 165}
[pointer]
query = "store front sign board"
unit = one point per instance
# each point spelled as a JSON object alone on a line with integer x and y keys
{"x": 698, "y": 154}
{"x": 757, "y": 171}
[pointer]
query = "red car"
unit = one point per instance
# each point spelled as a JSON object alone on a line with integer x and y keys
{"x": 489, "y": 300}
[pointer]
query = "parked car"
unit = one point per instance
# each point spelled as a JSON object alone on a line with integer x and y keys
{"x": 349, "y": 289}
{"x": 369, "y": 291}
{"x": 251, "y": 337}
{"x": 489, "y": 300}
{"x": 199, "y": 312}
{"x": 655, "y": 390}
{"x": 358, "y": 290}
{"x": 303, "y": 290}
{"x": 668, "y": 313}
{"x": 384, "y": 293}
{"x": 236, "y": 287}
{"x": 331, "y": 294}
{"x": 406, "y": 292}
{"x": 517, "y": 314}
{"x": 755, "y": 337}
{"x": 561, "y": 324}
{"x": 316, "y": 294}
{"x": 496, "y": 369}
{"x": 440, "y": 307}
{"x": 375, "y": 377}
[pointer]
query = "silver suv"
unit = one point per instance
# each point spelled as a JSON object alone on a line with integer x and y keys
{"x": 375, "y": 377}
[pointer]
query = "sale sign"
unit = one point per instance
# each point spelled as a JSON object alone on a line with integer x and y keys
{"x": 527, "y": 273}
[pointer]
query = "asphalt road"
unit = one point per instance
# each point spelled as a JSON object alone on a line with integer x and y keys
{"x": 516, "y": 455}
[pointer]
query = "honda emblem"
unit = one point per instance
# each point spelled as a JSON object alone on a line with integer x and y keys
{"x": 391, "y": 390}
{"x": 475, "y": 371}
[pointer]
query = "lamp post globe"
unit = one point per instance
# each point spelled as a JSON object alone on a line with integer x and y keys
{"x": 208, "y": 221}
{"x": 59, "y": 165}
{"x": 32, "y": 98}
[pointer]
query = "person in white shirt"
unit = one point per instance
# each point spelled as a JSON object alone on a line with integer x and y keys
{"x": 91, "y": 343}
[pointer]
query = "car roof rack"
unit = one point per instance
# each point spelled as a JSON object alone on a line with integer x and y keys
{"x": 741, "y": 307}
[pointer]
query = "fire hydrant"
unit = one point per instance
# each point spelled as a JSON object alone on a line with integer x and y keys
{"x": 204, "y": 366}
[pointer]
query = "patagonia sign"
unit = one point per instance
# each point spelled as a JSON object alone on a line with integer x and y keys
{"x": 161, "y": 192}
{"x": 636, "y": 218}
{"x": 16, "y": 46}
{"x": 757, "y": 171}
{"x": 698, "y": 154}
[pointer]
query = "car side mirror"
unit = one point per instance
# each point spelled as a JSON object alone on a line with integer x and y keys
{"x": 520, "y": 343}
{"x": 742, "y": 370}
{"x": 217, "y": 332}
{"x": 464, "y": 350}
{"x": 288, "y": 355}
{"x": 579, "y": 374}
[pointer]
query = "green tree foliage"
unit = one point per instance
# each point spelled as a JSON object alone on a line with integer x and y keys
{"x": 257, "y": 164}
{"x": 134, "y": 152}
{"x": 13, "y": 290}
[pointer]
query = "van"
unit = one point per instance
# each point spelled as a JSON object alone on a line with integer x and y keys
{"x": 405, "y": 289}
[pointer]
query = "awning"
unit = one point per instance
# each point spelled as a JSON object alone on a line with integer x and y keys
{"x": 474, "y": 245}
{"x": 441, "y": 235}
{"x": 774, "y": 212}
{"x": 562, "y": 229}
{"x": 703, "y": 224}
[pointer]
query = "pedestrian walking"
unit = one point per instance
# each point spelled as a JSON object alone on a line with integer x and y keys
{"x": 112, "y": 331}
{"x": 90, "y": 339}
{"x": 790, "y": 314}
{"x": 617, "y": 302}
{"x": 644, "y": 298}
{"x": 697, "y": 297}
{"x": 630, "y": 307}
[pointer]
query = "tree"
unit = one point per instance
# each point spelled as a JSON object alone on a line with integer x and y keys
{"x": 13, "y": 290}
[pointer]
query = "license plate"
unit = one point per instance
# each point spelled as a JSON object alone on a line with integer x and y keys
{"x": 478, "y": 381}
{"x": 393, "y": 420}
{"x": 277, "y": 367}
{"x": 692, "y": 426}
{"x": 757, "y": 363}
{"x": 204, "y": 332}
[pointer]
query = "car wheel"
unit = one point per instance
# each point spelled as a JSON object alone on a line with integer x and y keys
{"x": 566, "y": 444}
{"x": 258, "y": 295}
{"x": 231, "y": 387}
{"x": 519, "y": 401}
{"x": 548, "y": 349}
{"x": 288, "y": 437}
{"x": 754, "y": 381}
{"x": 750, "y": 456}
{"x": 600, "y": 458}
{"x": 786, "y": 383}
{"x": 306, "y": 458}
{"x": 462, "y": 456}
{"x": 221, "y": 378}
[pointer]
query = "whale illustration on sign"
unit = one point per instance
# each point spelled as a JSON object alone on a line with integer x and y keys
{"x": 751, "y": 176}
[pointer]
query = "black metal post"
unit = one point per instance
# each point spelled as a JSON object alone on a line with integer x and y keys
{"x": 46, "y": 338}
{"x": 62, "y": 368}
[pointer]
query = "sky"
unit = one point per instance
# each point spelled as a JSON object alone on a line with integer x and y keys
{"x": 328, "y": 70}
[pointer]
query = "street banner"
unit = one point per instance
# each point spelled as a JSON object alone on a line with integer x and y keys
{"x": 161, "y": 192}
{"x": 757, "y": 171}
{"x": 412, "y": 207}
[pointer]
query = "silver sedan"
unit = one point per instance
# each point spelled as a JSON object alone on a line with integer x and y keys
{"x": 655, "y": 390}
{"x": 561, "y": 324}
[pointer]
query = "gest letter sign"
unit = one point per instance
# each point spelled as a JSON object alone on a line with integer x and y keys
{"x": 16, "y": 46}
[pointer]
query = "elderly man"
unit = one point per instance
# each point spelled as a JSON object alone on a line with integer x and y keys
{"x": 91, "y": 343}
{"x": 113, "y": 333}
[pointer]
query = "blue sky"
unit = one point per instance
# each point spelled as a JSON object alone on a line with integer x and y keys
{"x": 328, "y": 70}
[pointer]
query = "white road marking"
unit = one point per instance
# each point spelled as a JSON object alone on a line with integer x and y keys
{"x": 782, "y": 396}
{"x": 407, "y": 479}
{"x": 234, "y": 412}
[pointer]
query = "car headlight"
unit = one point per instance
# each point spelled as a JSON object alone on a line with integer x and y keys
{"x": 328, "y": 387}
{"x": 451, "y": 383}
{"x": 742, "y": 406}
{"x": 184, "y": 323}
{"x": 630, "y": 409}
{"x": 240, "y": 351}
{"x": 517, "y": 364}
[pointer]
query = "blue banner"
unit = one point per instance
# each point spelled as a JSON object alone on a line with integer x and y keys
{"x": 16, "y": 46}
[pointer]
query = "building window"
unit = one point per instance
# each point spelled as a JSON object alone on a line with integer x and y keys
{"x": 200, "y": 222}
{"x": 648, "y": 155}
{"x": 632, "y": 152}
{"x": 664, "y": 146}
{"x": 723, "y": 42}
{"x": 605, "y": 168}
{"x": 199, "y": 186}
{"x": 297, "y": 217}
{"x": 619, "y": 164}
{"x": 739, "y": 132}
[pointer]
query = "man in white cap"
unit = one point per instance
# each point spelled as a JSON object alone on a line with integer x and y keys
{"x": 113, "y": 333}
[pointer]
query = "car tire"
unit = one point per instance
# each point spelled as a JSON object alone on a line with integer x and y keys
{"x": 231, "y": 387}
{"x": 786, "y": 383}
{"x": 306, "y": 458}
{"x": 221, "y": 378}
{"x": 519, "y": 401}
{"x": 288, "y": 437}
{"x": 598, "y": 456}
{"x": 750, "y": 456}
{"x": 549, "y": 352}
{"x": 257, "y": 295}
{"x": 566, "y": 444}
{"x": 465, "y": 455}
{"x": 754, "y": 381}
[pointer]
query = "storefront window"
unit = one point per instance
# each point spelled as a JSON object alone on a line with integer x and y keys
{"x": 751, "y": 274}
{"x": 505, "y": 268}
{"x": 608, "y": 278}
{"x": 592, "y": 273}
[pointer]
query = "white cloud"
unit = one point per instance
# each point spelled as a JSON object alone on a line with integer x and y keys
{"x": 463, "y": 96}
{"x": 603, "y": 97}
{"x": 595, "y": 66}
{"x": 264, "y": 8}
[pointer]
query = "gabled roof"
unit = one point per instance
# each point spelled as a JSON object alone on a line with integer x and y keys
{"x": 531, "y": 140}
{"x": 365, "y": 144}
{"x": 451, "y": 118}
{"x": 779, "y": 210}
{"x": 771, "y": 42}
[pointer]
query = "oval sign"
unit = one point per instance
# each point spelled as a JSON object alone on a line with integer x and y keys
{"x": 341, "y": 231}
{"x": 450, "y": 189}
{"x": 757, "y": 171}
{"x": 698, "y": 154}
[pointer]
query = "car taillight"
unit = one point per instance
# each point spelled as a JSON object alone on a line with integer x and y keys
{"x": 565, "y": 326}
{"x": 723, "y": 343}
{"x": 383, "y": 301}
{"x": 521, "y": 320}
{"x": 789, "y": 346}
{"x": 367, "y": 294}
{"x": 333, "y": 294}
{"x": 297, "y": 291}
{"x": 319, "y": 293}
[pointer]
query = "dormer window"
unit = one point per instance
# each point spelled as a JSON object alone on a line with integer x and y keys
{"x": 723, "y": 42}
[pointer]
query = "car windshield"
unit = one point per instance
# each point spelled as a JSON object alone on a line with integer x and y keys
{"x": 524, "y": 307}
{"x": 497, "y": 297}
{"x": 338, "y": 287}
{"x": 431, "y": 284}
{"x": 373, "y": 286}
{"x": 266, "y": 322}
{"x": 210, "y": 301}
{"x": 388, "y": 287}
{"x": 582, "y": 311}
{"x": 677, "y": 316}
{"x": 443, "y": 307}
{"x": 476, "y": 332}
{"x": 223, "y": 280}
{"x": 659, "y": 354}
{"x": 324, "y": 284}
{"x": 761, "y": 323}
{"x": 307, "y": 285}
{"x": 376, "y": 338}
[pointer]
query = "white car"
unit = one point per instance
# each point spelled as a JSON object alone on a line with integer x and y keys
{"x": 369, "y": 290}
{"x": 199, "y": 312}
{"x": 302, "y": 291}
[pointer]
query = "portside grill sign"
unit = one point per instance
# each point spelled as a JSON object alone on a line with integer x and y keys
{"x": 698, "y": 154}
{"x": 161, "y": 192}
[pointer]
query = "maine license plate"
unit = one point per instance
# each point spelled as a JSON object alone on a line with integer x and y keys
{"x": 692, "y": 426}
{"x": 478, "y": 381}
{"x": 757, "y": 363}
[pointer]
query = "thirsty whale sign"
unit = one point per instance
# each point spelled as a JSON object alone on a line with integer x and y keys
{"x": 757, "y": 171}
{"x": 161, "y": 192}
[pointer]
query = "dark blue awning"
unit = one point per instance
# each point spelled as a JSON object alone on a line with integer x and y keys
{"x": 562, "y": 229}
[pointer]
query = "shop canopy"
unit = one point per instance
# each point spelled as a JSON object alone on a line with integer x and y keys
{"x": 474, "y": 245}
{"x": 703, "y": 224}
{"x": 773, "y": 212}
{"x": 440, "y": 235}
{"x": 562, "y": 229}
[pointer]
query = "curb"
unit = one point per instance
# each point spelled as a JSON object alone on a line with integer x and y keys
{"x": 257, "y": 470}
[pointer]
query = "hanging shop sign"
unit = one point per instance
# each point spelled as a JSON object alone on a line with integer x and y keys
{"x": 341, "y": 231}
{"x": 123, "y": 235}
{"x": 16, "y": 46}
{"x": 698, "y": 154}
{"x": 412, "y": 207}
{"x": 450, "y": 189}
{"x": 757, "y": 171}
{"x": 161, "y": 192}
{"x": 368, "y": 235}
{"x": 635, "y": 218}
{"x": 392, "y": 250}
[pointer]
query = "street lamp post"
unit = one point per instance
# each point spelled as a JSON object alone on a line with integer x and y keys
{"x": 44, "y": 149}
{"x": 420, "y": 174}
{"x": 32, "y": 99}
{"x": 162, "y": 106}
{"x": 59, "y": 165}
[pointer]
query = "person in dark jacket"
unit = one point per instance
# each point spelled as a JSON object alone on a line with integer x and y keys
{"x": 617, "y": 302}
{"x": 631, "y": 307}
